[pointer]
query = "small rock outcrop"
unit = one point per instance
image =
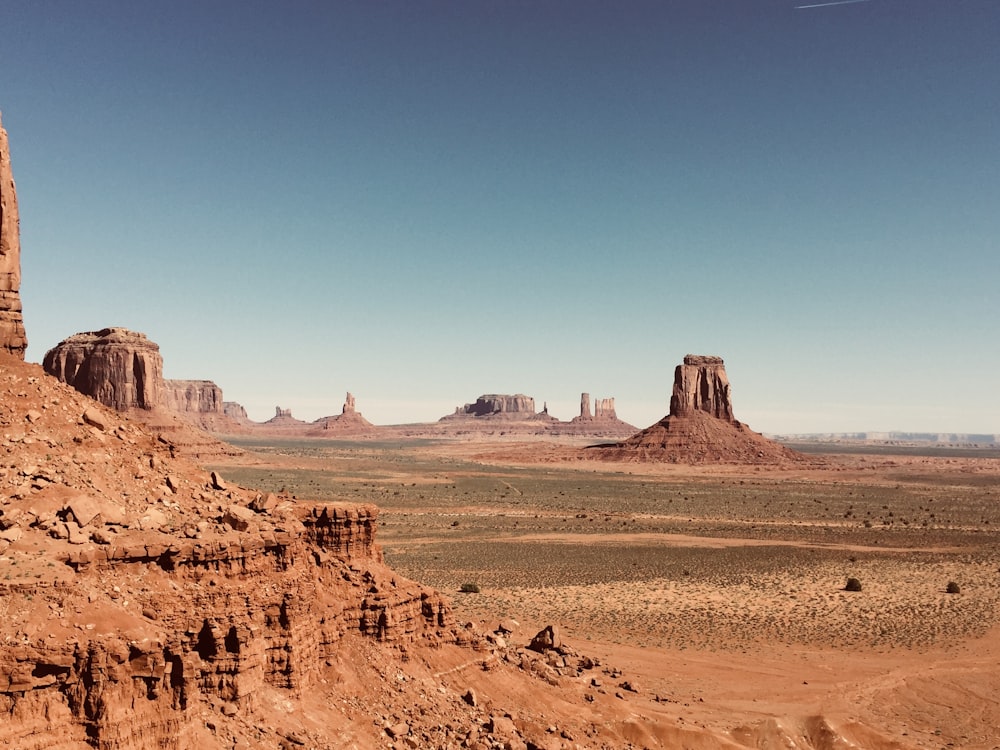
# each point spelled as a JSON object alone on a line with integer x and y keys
{"x": 701, "y": 384}
{"x": 348, "y": 404}
{"x": 120, "y": 368}
{"x": 12, "y": 336}
{"x": 700, "y": 427}
{"x": 236, "y": 412}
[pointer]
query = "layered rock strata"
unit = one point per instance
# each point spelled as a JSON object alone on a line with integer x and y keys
{"x": 142, "y": 594}
{"x": 12, "y": 335}
{"x": 120, "y": 368}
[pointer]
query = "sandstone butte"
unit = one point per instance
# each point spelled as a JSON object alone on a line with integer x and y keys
{"x": 12, "y": 335}
{"x": 700, "y": 427}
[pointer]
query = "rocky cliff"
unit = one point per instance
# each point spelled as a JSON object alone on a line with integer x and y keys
{"x": 701, "y": 384}
{"x": 146, "y": 600}
{"x": 236, "y": 412}
{"x": 120, "y": 368}
{"x": 12, "y": 335}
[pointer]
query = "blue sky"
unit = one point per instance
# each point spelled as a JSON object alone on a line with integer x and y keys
{"x": 421, "y": 202}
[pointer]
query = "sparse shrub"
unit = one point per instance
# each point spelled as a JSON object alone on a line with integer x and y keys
{"x": 469, "y": 588}
{"x": 953, "y": 588}
{"x": 853, "y": 584}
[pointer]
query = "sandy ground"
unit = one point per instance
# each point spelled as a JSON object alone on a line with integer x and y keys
{"x": 719, "y": 590}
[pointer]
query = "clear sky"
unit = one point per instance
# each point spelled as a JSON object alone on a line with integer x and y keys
{"x": 421, "y": 202}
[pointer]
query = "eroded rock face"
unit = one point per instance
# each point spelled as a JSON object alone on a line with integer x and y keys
{"x": 192, "y": 396}
{"x": 701, "y": 384}
{"x": 145, "y": 593}
{"x": 120, "y": 368}
{"x": 348, "y": 404}
{"x": 12, "y": 336}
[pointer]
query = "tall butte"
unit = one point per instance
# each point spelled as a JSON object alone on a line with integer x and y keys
{"x": 12, "y": 336}
{"x": 700, "y": 427}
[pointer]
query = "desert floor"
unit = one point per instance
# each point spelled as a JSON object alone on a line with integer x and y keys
{"x": 720, "y": 588}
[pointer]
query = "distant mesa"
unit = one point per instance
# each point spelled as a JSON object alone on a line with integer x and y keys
{"x": 193, "y": 396}
{"x": 700, "y": 427}
{"x": 235, "y": 412}
{"x": 500, "y": 406}
{"x": 12, "y": 335}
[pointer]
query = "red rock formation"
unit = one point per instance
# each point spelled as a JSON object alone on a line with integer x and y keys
{"x": 192, "y": 397}
{"x": 236, "y": 412}
{"x": 348, "y": 422}
{"x": 700, "y": 384}
{"x": 585, "y": 406}
{"x": 493, "y": 404}
{"x": 12, "y": 335}
{"x": 143, "y": 596}
{"x": 700, "y": 427}
{"x": 118, "y": 367}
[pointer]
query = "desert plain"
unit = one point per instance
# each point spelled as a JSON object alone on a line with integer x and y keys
{"x": 718, "y": 589}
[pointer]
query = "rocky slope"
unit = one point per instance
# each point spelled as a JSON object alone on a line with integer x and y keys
{"x": 12, "y": 336}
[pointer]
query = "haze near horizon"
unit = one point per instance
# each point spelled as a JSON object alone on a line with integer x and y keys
{"x": 424, "y": 202}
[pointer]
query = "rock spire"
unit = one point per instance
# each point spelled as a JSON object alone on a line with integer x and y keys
{"x": 12, "y": 336}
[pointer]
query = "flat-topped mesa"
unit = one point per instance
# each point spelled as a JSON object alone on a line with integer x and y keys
{"x": 495, "y": 403}
{"x": 701, "y": 384}
{"x": 192, "y": 397}
{"x": 120, "y": 368}
{"x": 12, "y": 336}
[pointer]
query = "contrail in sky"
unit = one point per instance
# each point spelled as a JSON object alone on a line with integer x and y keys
{"x": 835, "y": 2}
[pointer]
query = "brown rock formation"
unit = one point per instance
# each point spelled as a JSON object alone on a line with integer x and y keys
{"x": 495, "y": 404}
{"x": 118, "y": 367}
{"x": 585, "y": 406}
{"x": 348, "y": 422}
{"x": 604, "y": 408}
{"x": 700, "y": 427}
{"x": 236, "y": 412}
{"x": 700, "y": 384}
{"x": 12, "y": 336}
{"x": 192, "y": 397}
